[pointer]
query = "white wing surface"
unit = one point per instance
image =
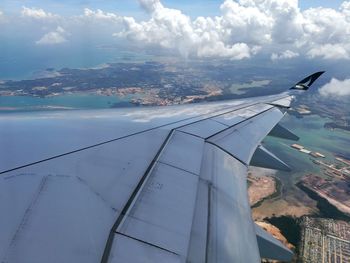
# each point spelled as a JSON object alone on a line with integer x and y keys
{"x": 137, "y": 185}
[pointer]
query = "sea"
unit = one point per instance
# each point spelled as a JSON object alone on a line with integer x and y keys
{"x": 21, "y": 62}
{"x": 61, "y": 102}
{"x": 314, "y": 137}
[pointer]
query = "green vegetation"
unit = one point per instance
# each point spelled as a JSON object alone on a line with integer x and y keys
{"x": 289, "y": 228}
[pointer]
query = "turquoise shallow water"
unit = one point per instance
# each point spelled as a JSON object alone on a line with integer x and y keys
{"x": 314, "y": 137}
{"x": 72, "y": 101}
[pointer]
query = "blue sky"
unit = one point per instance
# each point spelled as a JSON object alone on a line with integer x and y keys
{"x": 131, "y": 7}
{"x": 37, "y": 34}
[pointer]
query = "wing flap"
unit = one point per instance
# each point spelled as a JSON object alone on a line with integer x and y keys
{"x": 282, "y": 132}
{"x": 222, "y": 228}
{"x": 162, "y": 214}
{"x": 183, "y": 151}
{"x": 270, "y": 247}
{"x": 265, "y": 159}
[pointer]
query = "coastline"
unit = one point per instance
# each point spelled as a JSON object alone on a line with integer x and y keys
{"x": 326, "y": 209}
{"x": 260, "y": 186}
{"x": 277, "y": 192}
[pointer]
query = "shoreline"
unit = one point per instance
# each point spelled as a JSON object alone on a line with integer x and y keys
{"x": 275, "y": 194}
{"x": 326, "y": 208}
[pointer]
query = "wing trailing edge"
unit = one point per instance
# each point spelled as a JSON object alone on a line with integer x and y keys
{"x": 270, "y": 247}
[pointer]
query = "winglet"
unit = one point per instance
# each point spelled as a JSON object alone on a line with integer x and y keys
{"x": 307, "y": 82}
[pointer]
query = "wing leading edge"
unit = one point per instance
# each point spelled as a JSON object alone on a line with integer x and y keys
{"x": 170, "y": 191}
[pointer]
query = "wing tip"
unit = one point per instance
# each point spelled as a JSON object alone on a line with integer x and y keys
{"x": 306, "y": 83}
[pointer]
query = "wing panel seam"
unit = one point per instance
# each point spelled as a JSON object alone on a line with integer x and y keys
{"x": 147, "y": 243}
{"x": 179, "y": 168}
{"x": 242, "y": 121}
{"x": 132, "y": 198}
{"x": 222, "y": 149}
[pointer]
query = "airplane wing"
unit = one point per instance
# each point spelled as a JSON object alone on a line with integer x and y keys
{"x": 164, "y": 184}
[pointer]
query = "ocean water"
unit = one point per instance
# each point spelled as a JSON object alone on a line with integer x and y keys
{"x": 20, "y": 60}
{"x": 71, "y": 101}
{"x": 314, "y": 137}
{"x": 26, "y": 61}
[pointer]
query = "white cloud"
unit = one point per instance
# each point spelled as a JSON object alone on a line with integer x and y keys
{"x": 284, "y": 55}
{"x": 100, "y": 15}
{"x": 335, "y": 87}
{"x": 330, "y": 51}
{"x": 244, "y": 29}
{"x": 38, "y": 14}
{"x": 202, "y": 37}
{"x": 53, "y": 38}
{"x": 345, "y": 8}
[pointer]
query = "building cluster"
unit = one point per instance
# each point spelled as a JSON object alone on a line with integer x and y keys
{"x": 340, "y": 169}
{"x": 302, "y": 149}
{"x": 324, "y": 240}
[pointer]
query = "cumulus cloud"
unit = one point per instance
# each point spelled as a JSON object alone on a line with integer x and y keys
{"x": 53, "y": 38}
{"x": 284, "y": 55}
{"x": 150, "y": 5}
{"x": 202, "y": 37}
{"x": 37, "y": 14}
{"x": 244, "y": 29}
{"x": 100, "y": 15}
{"x": 336, "y": 88}
{"x": 330, "y": 51}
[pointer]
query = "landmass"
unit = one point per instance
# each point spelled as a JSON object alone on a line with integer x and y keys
{"x": 143, "y": 83}
{"x": 333, "y": 184}
{"x": 260, "y": 187}
{"x": 300, "y": 110}
{"x": 154, "y": 83}
{"x": 281, "y": 207}
{"x": 340, "y": 124}
{"x": 291, "y": 223}
{"x": 336, "y": 194}
{"x": 337, "y": 110}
